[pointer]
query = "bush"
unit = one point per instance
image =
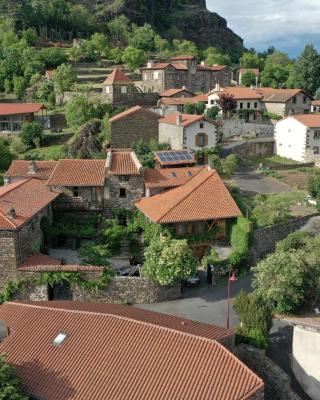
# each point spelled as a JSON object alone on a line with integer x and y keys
{"x": 31, "y": 134}
{"x": 294, "y": 241}
{"x": 240, "y": 241}
{"x": 268, "y": 213}
{"x": 6, "y": 156}
{"x": 212, "y": 112}
{"x": 52, "y": 57}
{"x": 10, "y": 384}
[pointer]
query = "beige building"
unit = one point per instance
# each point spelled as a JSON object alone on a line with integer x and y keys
{"x": 315, "y": 106}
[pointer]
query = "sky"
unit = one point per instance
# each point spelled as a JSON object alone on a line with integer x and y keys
{"x": 285, "y": 24}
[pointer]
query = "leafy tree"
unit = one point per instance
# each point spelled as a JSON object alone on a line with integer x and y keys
{"x": 116, "y": 55}
{"x": 306, "y": 72}
{"x": 255, "y": 317}
{"x": 64, "y": 78}
{"x": 10, "y": 384}
{"x": 96, "y": 46}
{"x": 248, "y": 78}
{"x": 30, "y": 36}
{"x": 229, "y": 165}
{"x": 227, "y": 103}
{"x": 185, "y": 47}
{"x": 119, "y": 30}
{"x": 213, "y": 56}
{"x": 314, "y": 188}
{"x": 31, "y": 134}
{"x": 6, "y": 156}
{"x": 79, "y": 110}
{"x": 19, "y": 86}
{"x": 145, "y": 151}
{"x": 251, "y": 60}
{"x": 197, "y": 108}
{"x": 317, "y": 95}
{"x": 294, "y": 241}
{"x": 212, "y": 112}
{"x": 134, "y": 57}
{"x": 168, "y": 261}
{"x": 276, "y": 70}
{"x": 142, "y": 37}
{"x": 52, "y": 57}
{"x": 267, "y": 213}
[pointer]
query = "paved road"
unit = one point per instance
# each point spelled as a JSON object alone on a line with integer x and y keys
{"x": 249, "y": 180}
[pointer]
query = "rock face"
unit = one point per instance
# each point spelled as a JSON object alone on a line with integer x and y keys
{"x": 87, "y": 142}
{"x": 187, "y": 19}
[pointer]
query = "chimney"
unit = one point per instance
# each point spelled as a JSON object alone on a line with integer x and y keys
{"x": 11, "y": 214}
{"x": 217, "y": 88}
{"x": 178, "y": 119}
{"x": 184, "y": 87}
{"x": 203, "y": 63}
{"x": 32, "y": 168}
{"x": 108, "y": 163}
{"x": 150, "y": 64}
{"x": 252, "y": 87}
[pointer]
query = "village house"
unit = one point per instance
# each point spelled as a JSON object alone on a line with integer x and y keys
{"x": 23, "y": 204}
{"x": 176, "y": 93}
{"x": 174, "y": 158}
{"x": 117, "y": 87}
{"x": 14, "y": 115}
{"x": 23, "y": 169}
{"x": 187, "y": 131}
{"x": 298, "y": 137}
{"x": 184, "y": 71}
{"x": 201, "y": 204}
{"x": 166, "y": 349}
{"x": 136, "y": 123}
{"x": 315, "y": 106}
{"x": 168, "y": 105}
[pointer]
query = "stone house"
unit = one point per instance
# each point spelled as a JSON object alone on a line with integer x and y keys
{"x": 117, "y": 87}
{"x": 298, "y": 137}
{"x": 168, "y": 105}
{"x": 201, "y": 204}
{"x": 184, "y": 71}
{"x": 136, "y": 123}
{"x": 176, "y": 93}
{"x": 22, "y": 206}
{"x": 14, "y": 115}
{"x": 22, "y": 169}
{"x": 187, "y": 131}
{"x": 125, "y": 180}
{"x": 315, "y": 106}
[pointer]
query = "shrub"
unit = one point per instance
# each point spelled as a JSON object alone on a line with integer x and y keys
{"x": 31, "y": 134}
{"x": 10, "y": 384}
{"x": 6, "y": 156}
{"x": 212, "y": 112}
{"x": 294, "y": 241}
{"x": 52, "y": 57}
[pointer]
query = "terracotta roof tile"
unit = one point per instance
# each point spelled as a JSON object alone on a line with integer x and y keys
{"x": 240, "y": 93}
{"x": 27, "y": 197}
{"x": 39, "y": 259}
{"x": 131, "y": 111}
{"x": 19, "y": 169}
{"x": 123, "y": 163}
{"x": 78, "y": 173}
{"x": 256, "y": 71}
{"x": 315, "y": 102}
{"x": 20, "y": 108}
{"x": 169, "y": 177}
{"x": 214, "y": 68}
{"x": 204, "y": 197}
{"x": 172, "y": 92}
{"x": 140, "y": 358}
{"x": 186, "y": 119}
{"x": 309, "y": 120}
{"x": 118, "y": 77}
{"x": 277, "y": 95}
{"x": 165, "y": 65}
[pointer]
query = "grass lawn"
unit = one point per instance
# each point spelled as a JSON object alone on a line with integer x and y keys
{"x": 271, "y": 160}
{"x": 53, "y": 152}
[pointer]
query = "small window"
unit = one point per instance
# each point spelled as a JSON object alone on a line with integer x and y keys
{"x": 122, "y": 193}
{"x": 201, "y": 125}
{"x": 201, "y": 140}
{"x": 241, "y": 106}
{"x": 75, "y": 192}
{"x": 248, "y": 105}
{"x": 123, "y": 89}
{"x": 108, "y": 89}
{"x": 255, "y": 105}
{"x": 316, "y": 134}
{"x": 294, "y": 100}
{"x": 211, "y": 101}
{"x": 316, "y": 150}
{"x": 304, "y": 99}
{"x": 59, "y": 339}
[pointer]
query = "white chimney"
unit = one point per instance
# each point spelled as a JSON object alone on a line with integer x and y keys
{"x": 184, "y": 87}
{"x": 150, "y": 64}
{"x": 203, "y": 63}
{"x": 179, "y": 119}
{"x": 32, "y": 167}
{"x": 217, "y": 87}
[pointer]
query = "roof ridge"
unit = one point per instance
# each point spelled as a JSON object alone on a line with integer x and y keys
{"x": 189, "y": 192}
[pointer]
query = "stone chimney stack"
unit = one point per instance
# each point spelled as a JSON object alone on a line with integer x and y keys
{"x": 32, "y": 168}
{"x": 108, "y": 163}
{"x": 11, "y": 214}
{"x": 203, "y": 63}
{"x": 179, "y": 119}
{"x": 150, "y": 64}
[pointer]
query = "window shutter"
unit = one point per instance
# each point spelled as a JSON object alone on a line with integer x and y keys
{"x": 197, "y": 139}
{"x": 206, "y": 140}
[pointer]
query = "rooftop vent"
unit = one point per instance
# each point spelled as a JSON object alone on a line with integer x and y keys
{"x": 189, "y": 173}
{"x": 11, "y": 214}
{"x": 59, "y": 339}
{"x": 4, "y": 331}
{"x": 174, "y": 174}
{"x": 32, "y": 167}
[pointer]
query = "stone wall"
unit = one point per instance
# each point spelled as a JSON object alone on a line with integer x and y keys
{"x": 133, "y": 127}
{"x": 251, "y": 148}
{"x": 172, "y": 134}
{"x": 265, "y": 239}
{"x": 277, "y": 382}
{"x": 312, "y": 158}
{"x": 79, "y": 198}
{"x": 8, "y": 260}
{"x": 235, "y": 127}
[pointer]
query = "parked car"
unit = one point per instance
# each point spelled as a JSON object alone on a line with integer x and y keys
{"x": 129, "y": 271}
{"x": 194, "y": 280}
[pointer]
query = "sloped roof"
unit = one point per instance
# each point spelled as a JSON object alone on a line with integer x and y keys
{"x": 214, "y": 68}
{"x": 39, "y": 259}
{"x": 78, "y": 173}
{"x": 241, "y": 93}
{"x": 172, "y": 92}
{"x": 124, "y": 163}
{"x": 20, "y": 108}
{"x": 278, "y": 95}
{"x": 309, "y": 120}
{"x": 131, "y": 111}
{"x": 19, "y": 169}
{"x": 117, "y": 77}
{"x": 27, "y": 197}
{"x": 165, "y": 65}
{"x": 186, "y": 119}
{"x": 119, "y": 354}
{"x": 204, "y": 197}
{"x": 315, "y": 102}
{"x": 169, "y": 177}
{"x": 182, "y": 57}
{"x": 255, "y": 71}
{"x": 60, "y": 268}
{"x": 170, "y": 157}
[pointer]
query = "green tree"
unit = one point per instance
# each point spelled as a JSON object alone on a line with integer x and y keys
{"x": 19, "y": 86}
{"x": 30, "y": 36}
{"x": 197, "y": 108}
{"x": 251, "y": 60}
{"x": 52, "y": 57}
{"x": 185, "y": 47}
{"x": 10, "y": 384}
{"x": 119, "y": 30}
{"x": 97, "y": 46}
{"x": 276, "y": 70}
{"x": 142, "y": 37}
{"x": 31, "y": 134}
{"x": 64, "y": 78}
{"x": 306, "y": 72}
{"x": 134, "y": 58}
{"x": 212, "y": 112}
{"x": 6, "y": 156}
{"x": 213, "y": 56}
{"x": 317, "y": 95}
{"x": 248, "y": 78}
{"x": 79, "y": 110}
{"x": 168, "y": 261}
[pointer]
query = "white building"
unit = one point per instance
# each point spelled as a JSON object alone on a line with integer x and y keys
{"x": 298, "y": 137}
{"x": 315, "y": 106}
{"x": 187, "y": 131}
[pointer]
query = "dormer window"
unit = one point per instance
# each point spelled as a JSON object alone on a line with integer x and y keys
{"x": 59, "y": 339}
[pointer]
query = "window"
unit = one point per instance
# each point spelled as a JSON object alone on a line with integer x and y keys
{"x": 316, "y": 150}
{"x": 123, "y": 89}
{"x": 108, "y": 89}
{"x": 156, "y": 75}
{"x": 75, "y": 192}
{"x": 248, "y": 105}
{"x": 122, "y": 193}
{"x": 316, "y": 134}
{"x": 294, "y": 100}
{"x": 59, "y": 339}
{"x": 201, "y": 125}
{"x": 201, "y": 140}
{"x": 211, "y": 101}
{"x": 241, "y": 106}
{"x": 304, "y": 99}
{"x": 255, "y": 105}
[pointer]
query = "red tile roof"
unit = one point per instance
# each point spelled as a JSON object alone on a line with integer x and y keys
{"x": 172, "y": 92}
{"x": 27, "y": 197}
{"x": 20, "y": 108}
{"x": 255, "y": 71}
{"x": 241, "y": 93}
{"x": 59, "y": 268}
{"x": 186, "y": 119}
{"x": 117, "y": 77}
{"x": 309, "y": 120}
{"x": 278, "y": 95}
{"x": 131, "y": 111}
{"x": 19, "y": 169}
{"x": 39, "y": 259}
{"x": 123, "y": 163}
{"x": 204, "y": 197}
{"x": 165, "y": 65}
{"x": 315, "y": 102}
{"x": 124, "y": 354}
{"x": 170, "y": 177}
{"x": 182, "y": 57}
{"x": 214, "y": 68}
{"x": 78, "y": 173}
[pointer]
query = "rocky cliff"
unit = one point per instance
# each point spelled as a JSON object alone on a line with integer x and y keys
{"x": 187, "y": 19}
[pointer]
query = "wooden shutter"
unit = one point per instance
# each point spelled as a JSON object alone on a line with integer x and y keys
{"x": 197, "y": 139}
{"x": 206, "y": 140}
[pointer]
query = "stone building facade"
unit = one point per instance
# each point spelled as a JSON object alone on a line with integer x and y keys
{"x": 135, "y": 124}
{"x": 184, "y": 71}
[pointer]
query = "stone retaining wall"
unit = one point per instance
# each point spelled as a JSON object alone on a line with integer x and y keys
{"x": 265, "y": 239}
{"x": 290, "y": 166}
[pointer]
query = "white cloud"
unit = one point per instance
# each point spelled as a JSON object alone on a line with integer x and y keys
{"x": 286, "y": 24}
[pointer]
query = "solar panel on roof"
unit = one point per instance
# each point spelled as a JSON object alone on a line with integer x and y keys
{"x": 171, "y": 156}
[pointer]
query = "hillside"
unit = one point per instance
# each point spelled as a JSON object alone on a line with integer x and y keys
{"x": 187, "y": 19}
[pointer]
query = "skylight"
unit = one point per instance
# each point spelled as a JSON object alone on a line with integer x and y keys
{"x": 59, "y": 339}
